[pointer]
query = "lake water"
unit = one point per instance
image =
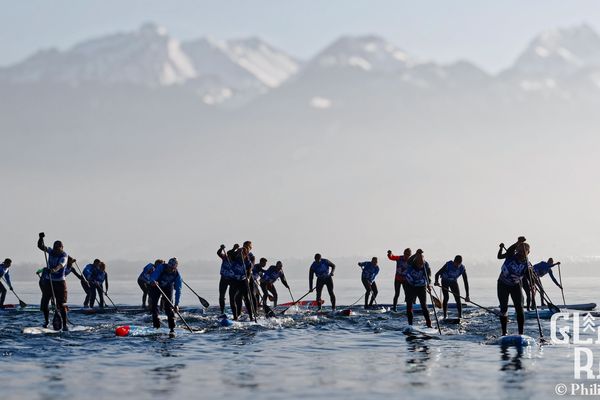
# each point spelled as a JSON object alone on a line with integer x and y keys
{"x": 298, "y": 356}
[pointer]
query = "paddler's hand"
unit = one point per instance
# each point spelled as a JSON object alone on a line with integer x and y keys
{"x": 436, "y": 284}
{"x": 176, "y": 308}
{"x": 11, "y": 289}
{"x": 222, "y": 247}
{"x": 389, "y": 252}
{"x": 153, "y": 283}
{"x": 502, "y": 246}
{"x": 311, "y": 289}
{"x": 331, "y": 274}
{"x": 467, "y": 298}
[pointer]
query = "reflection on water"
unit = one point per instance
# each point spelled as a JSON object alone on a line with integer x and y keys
{"x": 419, "y": 355}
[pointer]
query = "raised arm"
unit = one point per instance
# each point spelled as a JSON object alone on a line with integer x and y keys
{"x": 554, "y": 279}
{"x": 311, "y": 274}
{"x": 178, "y": 289}
{"x": 392, "y": 257}
{"x": 437, "y": 274}
{"x": 332, "y": 266}
{"x": 106, "y": 282}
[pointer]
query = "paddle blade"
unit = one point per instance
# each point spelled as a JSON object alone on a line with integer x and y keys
{"x": 203, "y": 301}
{"x": 437, "y": 302}
{"x": 553, "y": 308}
{"x": 22, "y": 304}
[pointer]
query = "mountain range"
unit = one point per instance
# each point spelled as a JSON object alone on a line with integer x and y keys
{"x": 137, "y": 140}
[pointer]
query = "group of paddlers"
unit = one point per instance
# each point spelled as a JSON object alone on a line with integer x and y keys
{"x": 252, "y": 283}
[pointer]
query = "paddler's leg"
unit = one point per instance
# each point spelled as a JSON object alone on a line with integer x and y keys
{"x": 503, "y": 293}
{"x": 45, "y": 302}
{"x": 246, "y": 297}
{"x": 527, "y": 290}
{"x": 86, "y": 289}
{"x": 101, "y": 296}
{"x": 409, "y": 297}
{"x": 265, "y": 292}
{"x": 445, "y": 297}
{"x": 60, "y": 292}
{"x": 92, "y": 300}
{"x": 541, "y": 292}
{"x": 456, "y": 293}
{"x": 2, "y": 294}
{"x": 144, "y": 288}
{"x": 374, "y": 293}
{"x": 329, "y": 284}
{"x": 397, "y": 286}
{"x": 367, "y": 286}
{"x": 233, "y": 290}
{"x": 319, "y": 288}
{"x": 154, "y": 297}
{"x": 274, "y": 292}
{"x": 223, "y": 284}
{"x": 168, "y": 309}
{"x": 422, "y": 295}
{"x": 517, "y": 297}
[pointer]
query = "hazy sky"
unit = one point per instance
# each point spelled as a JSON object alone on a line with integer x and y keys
{"x": 490, "y": 33}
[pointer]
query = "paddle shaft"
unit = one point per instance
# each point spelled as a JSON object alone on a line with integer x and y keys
{"x": 433, "y": 304}
{"x": 291, "y": 295}
{"x": 21, "y": 302}
{"x": 561, "y": 286}
{"x": 201, "y": 299}
{"x": 537, "y": 313}
{"x": 296, "y": 302}
{"x": 174, "y": 308}
{"x": 475, "y": 304}
{"x": 109, "y": 299}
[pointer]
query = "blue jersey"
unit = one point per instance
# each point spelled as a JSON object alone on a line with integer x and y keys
{"x": 417, "y": 277}
{"x": 542, "y": 268}
{"x": 450, "y": 272}
{"x": 272, "y": 274}
{"x": 369, "y": 270}
{"x": 88, "y": 272}
{"x": 513, "y": 271}
{"x": 257, "y": 272}
{"x": 4, "y": 273}
{"x": 321, "y": 268}
{"x": 226, "y": 269}
{"x": 57, "y": 260}
{"x": 168, "y": 277}
{"x": 99, "y": 277}
{"x": 147, "y": 273}
{"x": 239, "y": 265}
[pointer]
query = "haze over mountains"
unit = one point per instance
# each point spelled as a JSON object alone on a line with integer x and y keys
{"x": 137, "y": 145}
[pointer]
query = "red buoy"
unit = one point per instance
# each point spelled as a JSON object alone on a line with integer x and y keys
{"x": 122, "y": 330}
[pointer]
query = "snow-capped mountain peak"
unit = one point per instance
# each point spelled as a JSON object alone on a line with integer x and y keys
{"x": 561, "y": 52}
{"x": 368, "y": 53}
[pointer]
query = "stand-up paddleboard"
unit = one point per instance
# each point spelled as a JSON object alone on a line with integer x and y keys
{"x": 36, "y": 330}
{"x": 579, "y": 306}
{"x": 421, "y": 331}
{"x": 303, "y": 303}
{"x": 516, "y": 341}
{"x": 451, "y": 321}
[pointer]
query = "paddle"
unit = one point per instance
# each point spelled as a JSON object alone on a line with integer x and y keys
{"x": 174, "y": 308}
{"x": 291, "y": 295}
{"x": 296, "y": 302}
{"x": 537, "y": 313}
{"x": 56, "y": 312}
{"x": 109, "y": 299}
{"x": 202, "y": 301}
{"x": 433, "y": 304}
{"x": 22, "y": 304}
{"x": 475, "y": 304}
{"x": 544, "y": 295}
{"x": 561, "y": 285}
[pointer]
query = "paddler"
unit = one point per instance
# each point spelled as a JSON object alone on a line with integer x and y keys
{"x": 6, "y": 275}
{"x": 55, "y": 284}
{"x": 450, "y": 273}
{"x": 399, "y": 280}
{"x": 514, "y": 268}
{"x": 242, "y": 261}
{"x": 370, "y": 269}
{"x": 144, "y": 279}
{"x": 540, "y": 269}
{"x": 418, "y": 276}
{"x": 98, "y": 278}
{"x": 320, "y": 267}
{"x": 165, "y": 278}
{"x": 267, "y": 282}
{"x": 226, "y": 280}
{"x": 88, "y": 272}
